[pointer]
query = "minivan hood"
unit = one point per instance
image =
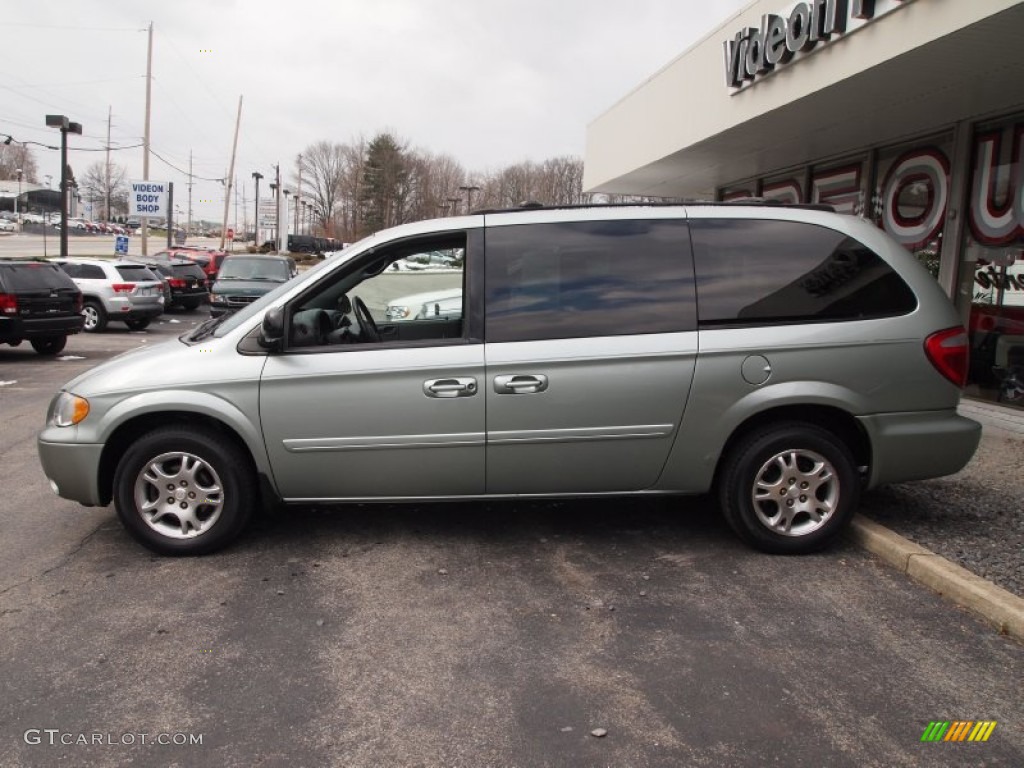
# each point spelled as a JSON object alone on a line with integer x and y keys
{"x": 165, "y": 365}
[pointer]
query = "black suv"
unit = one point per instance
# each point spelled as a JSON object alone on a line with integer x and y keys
{"x": 184, "y": 281}
{"x": 40, "y": 303}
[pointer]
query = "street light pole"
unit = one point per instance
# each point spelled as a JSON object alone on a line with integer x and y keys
{"x": 284, "y": 232}
{"x": 66, "y": 126}
{"x": 17, "y": 214}
{"x": 257, "y": 176}
{"x": 455, "y": 205}
{"x": 273, "y": 192}
{"x": 469, "y": 189}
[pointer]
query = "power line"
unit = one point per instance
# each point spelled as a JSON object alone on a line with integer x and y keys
{"x": 179, "y": 170}
{"x": 70, "y": 149}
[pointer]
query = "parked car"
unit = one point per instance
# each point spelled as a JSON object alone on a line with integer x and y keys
{"x": 7, "y": 226}
{"x": 120, "y": 291}
{"x": 207, "y": 258}
{"x": 38, "y": 303}
{"x": 243, "y": 279}
{"x": 445, "y": 304}
{"x": 184, "y": 282}
{"x": 783, "y": 358}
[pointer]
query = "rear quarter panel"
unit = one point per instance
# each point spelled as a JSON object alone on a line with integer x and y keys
{"x": 862, "y": 367}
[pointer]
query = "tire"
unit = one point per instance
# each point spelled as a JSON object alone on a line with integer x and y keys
{"x": 51, "y": 345}
{"x": 789, "y": 460}
{"x": 137, "y": 324}
{"x": 95, "y": 316}
{"x": 192, "y": 461}
{"x": 190, "y": 304}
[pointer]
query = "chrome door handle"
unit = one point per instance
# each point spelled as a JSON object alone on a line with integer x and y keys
{"x": 520, "y": 384}
{"x": 464, "y": 387}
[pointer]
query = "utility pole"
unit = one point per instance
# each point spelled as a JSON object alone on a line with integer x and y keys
{"x": 145, "y": 135}
{"x": 231, "y": 175}
{"x": 236, "y": 215}
{"x": 106, "y": 167}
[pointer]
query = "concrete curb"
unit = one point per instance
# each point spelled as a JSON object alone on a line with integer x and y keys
{"x": 996, "y": 605}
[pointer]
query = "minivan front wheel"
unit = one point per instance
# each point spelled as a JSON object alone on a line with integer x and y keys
{"x": 789, "y": 488}
{"x": 184, "y": 491}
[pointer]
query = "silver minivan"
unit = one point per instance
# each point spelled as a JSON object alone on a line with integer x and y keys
{"x": 783, "y": 358}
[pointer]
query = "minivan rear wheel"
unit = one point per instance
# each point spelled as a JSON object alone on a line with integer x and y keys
{"x": 184, "y": 491}
{"x": 789, "y": 488}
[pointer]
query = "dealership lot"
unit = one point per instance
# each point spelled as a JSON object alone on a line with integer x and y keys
{"x": 469, "y": 634}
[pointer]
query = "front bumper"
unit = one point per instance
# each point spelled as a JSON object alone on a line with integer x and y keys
{"x": 919, "y": 445}
{"x": 73, "y": 468}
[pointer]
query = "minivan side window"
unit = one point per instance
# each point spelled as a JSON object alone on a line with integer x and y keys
{"x": 586, "y": 279}
{"x": 756, "y": 271}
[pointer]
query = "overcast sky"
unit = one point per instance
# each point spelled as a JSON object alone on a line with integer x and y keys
{"x": 490, "y": 83}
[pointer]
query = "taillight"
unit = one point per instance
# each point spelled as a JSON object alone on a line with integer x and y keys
{"x": 947, "y": 351}
{"x": 176, "y": 282}
{"x": 123, "y": 287}
{"x": 78, "y": 303}
{"x": 8, "y": 304}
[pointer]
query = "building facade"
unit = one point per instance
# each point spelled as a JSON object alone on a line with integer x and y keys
{"x": 906, "y": 112}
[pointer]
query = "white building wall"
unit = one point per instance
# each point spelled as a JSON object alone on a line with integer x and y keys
{"x": 688, "y": 102}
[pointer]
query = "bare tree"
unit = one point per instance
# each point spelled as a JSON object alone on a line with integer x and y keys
{"x": 14, "y": 156}
{"x": 106, "y": 186}
{"x": 433, "y": 180}
{"x": 323, "y": 165}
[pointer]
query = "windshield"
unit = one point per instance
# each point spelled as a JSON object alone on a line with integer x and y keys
{"x": 242, "y": 268}
{"x": 268, "y": 299}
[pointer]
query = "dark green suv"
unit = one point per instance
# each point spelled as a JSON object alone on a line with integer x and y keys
{"x": 243, "y": 279}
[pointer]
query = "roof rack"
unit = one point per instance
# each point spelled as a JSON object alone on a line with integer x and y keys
{"x": 750, "y": 201}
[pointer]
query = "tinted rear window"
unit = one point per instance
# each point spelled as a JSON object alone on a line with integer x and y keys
{"x": 137, "y": 273}
{"x": 757, "y": 271}
{"x": 188, "y": 270}
{"x": 34, "y": 277}
{"x": 592, "y": 278}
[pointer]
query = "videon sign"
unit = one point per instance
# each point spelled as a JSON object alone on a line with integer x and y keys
{"x": 148, "y": 198}
{"x": 756, "y": 51}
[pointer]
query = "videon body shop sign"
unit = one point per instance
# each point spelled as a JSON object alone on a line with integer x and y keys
{"x": 148, "y": 198}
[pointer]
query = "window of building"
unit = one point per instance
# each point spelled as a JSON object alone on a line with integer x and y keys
{"x": 911, "y": 195}
{"x": 585, "y": 279}
{"x": 992, "y": 264}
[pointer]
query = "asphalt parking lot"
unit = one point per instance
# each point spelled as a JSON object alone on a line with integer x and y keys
{"x": 464, "y": 635}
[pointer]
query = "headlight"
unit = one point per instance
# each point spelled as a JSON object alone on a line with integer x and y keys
{"x": 218, "y": 298}
{"x": 396, "y": 312}
{"x": 69, "y": 409}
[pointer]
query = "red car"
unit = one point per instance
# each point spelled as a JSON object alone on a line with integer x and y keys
{"x": 208, "y": 258}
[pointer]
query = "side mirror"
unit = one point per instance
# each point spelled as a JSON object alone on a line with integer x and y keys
{"x": 272, "y": 331}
